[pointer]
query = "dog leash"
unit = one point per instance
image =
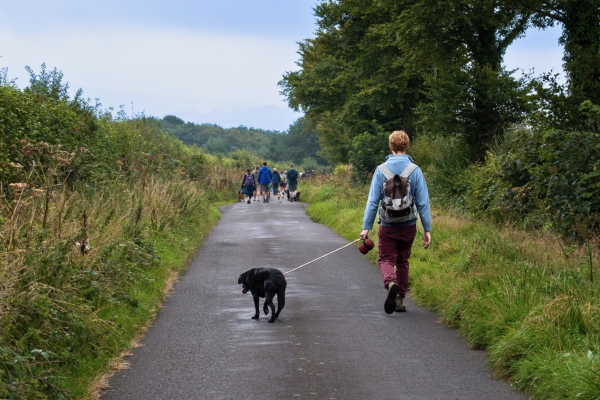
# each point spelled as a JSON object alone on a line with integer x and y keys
{"x": 317, "y": 259}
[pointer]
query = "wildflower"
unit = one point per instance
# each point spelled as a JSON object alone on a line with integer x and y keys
{"x": 38, "y": 192}
{"x": 60, "y": 161}
{"x": 15, "y": 166}
{"x": 18, "y": 187}
{"x": 29, "y": 149}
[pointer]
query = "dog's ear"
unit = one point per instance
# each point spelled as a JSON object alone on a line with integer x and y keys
{"x": 242, "y": 278}
{"x": 249, "y": 274}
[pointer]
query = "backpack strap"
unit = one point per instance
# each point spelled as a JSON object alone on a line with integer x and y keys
{"x": 389, "y": 174}
{"x": 386, "y": 171}
{"x": 408, "y": 170}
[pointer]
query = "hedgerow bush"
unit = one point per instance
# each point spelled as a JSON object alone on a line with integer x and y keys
{"x": 538, "y": 175}
{"x": 445, "y": 163}
{"x": 549, "y": 176}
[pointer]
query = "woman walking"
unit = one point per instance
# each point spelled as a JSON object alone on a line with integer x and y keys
{"x": 248, "y": 184}
{"x": 397, "y": 231}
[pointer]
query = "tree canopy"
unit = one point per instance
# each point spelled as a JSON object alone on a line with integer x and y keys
{"x": 435, "y": 67}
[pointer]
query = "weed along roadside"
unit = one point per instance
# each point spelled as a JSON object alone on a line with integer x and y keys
{"x": 84, "y": 273}
{"x": 528, "y": 299}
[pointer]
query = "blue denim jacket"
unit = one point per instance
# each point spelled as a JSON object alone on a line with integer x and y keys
{"x": 418, "y": 189}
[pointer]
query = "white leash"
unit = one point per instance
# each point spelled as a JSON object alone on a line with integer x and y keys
{"x": 317, "y": 259}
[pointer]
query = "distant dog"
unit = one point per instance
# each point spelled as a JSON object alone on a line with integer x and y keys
{"x": 294, "y": 198}
{"x": 280, "y": 196}
{"x": 265, "y": 282}
{"x": 240, "y": 197}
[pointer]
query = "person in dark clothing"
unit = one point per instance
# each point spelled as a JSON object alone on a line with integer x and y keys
{"x": 248, "y": 184}
{"x": 292, "y": 183}
{"x": 276, "y": 180}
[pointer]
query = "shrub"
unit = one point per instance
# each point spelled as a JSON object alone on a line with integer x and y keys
{"x": 548, "y": 176}
{"x": 444, "y": 160}
{"x": 367, "y": 152}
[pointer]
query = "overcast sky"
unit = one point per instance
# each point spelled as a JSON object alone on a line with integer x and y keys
{"x": 215, "y": 61}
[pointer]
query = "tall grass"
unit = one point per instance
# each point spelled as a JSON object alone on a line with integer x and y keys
{"x": 528, "y": 297}
{"x": 84, "y": 267}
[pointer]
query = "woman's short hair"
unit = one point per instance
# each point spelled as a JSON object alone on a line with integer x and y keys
{"x": 399, "y": 141}
{"x": 248, "y": 170}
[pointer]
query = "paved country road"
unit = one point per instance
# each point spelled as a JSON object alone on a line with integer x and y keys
{"x": 331, "y": 341}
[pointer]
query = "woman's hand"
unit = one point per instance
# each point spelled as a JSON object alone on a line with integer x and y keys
{"x": 364, "y": 234}
{"x": 426, "y": 240}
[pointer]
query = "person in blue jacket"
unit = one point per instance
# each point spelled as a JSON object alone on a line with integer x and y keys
{"x": 395, "y": 240}
{"x": 265, "y": 177}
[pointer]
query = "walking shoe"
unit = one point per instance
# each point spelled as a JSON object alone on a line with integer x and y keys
{"x": 400, "y": 307}
{"x": 268, "y": 199}
{"x": 264, "y": 201}
{"x": 248, "y": 201}
{"x": 390, "y": 302}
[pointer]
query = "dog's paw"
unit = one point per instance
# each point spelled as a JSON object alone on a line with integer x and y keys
{"x": 271, "y": 321}
{"x": 266, "y": 310}
{"x": 255, "y": 317}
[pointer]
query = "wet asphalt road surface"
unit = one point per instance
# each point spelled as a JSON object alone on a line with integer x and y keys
{"x": 331, "y": 341}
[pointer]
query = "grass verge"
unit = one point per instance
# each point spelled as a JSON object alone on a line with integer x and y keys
{"x": 175, "y": 250}
{"x": 530, "y": 300}
{"x": 82, "y": 272}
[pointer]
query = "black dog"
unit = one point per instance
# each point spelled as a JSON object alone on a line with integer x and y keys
{"x": 265, "y": 282}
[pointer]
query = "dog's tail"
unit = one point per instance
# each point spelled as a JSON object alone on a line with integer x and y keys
{"x": 280, "y": 299}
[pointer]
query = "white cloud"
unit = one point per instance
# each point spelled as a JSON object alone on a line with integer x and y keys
{"x": 176, "y": 72}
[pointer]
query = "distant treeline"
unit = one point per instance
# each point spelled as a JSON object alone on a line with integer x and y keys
{"x": 298, "y": 143}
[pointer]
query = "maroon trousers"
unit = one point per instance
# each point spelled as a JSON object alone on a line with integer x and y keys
{"x": 395, "y": 244}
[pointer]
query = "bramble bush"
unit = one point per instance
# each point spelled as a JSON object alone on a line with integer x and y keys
{"x": 541, "y": 176}
{"x": 550, "y": 177}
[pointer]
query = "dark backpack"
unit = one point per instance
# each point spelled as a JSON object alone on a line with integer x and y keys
{"x": 398, "y": 204}
{"x": 249, "y": 180}
{"x": 293, "y": 175}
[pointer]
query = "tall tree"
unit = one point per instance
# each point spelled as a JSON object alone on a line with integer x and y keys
{"x": 580, "y": 20}
{"x": 352, "y": 69}
{"x": 463, "y": 42}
